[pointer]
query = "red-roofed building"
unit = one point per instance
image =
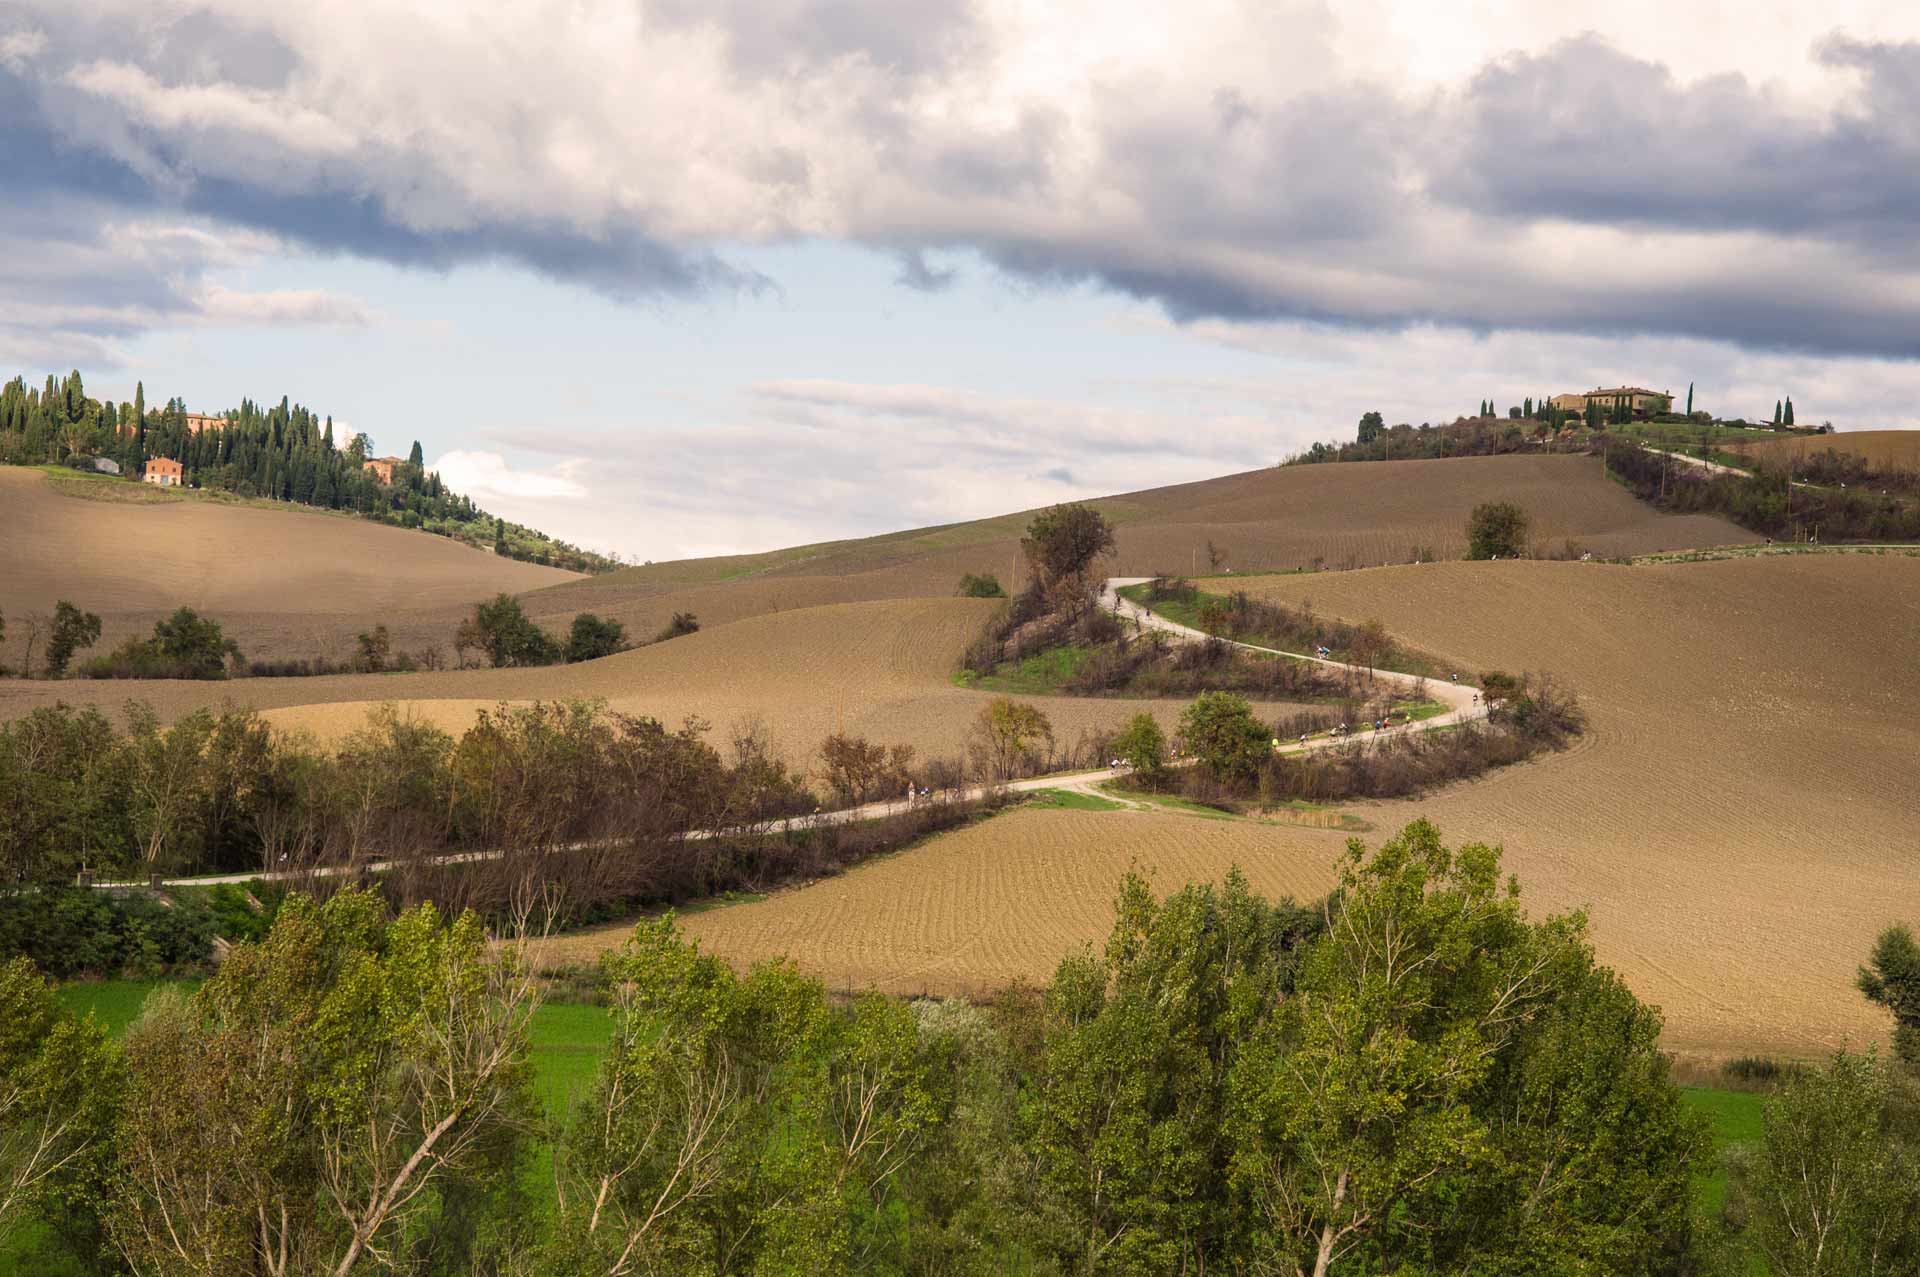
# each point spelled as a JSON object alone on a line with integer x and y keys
{"x": 165, "y": 472}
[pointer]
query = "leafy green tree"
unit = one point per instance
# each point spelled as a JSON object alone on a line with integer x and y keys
{"x": 1063, "y": 541}
{"x": 1496, "y": 529}
{"x": 1777, "y": 410}
{"x": 1891, "y": 979}
{"x": 1372, "y": 426}
{"x": 1142, "y": 745}
{"x": 982, "y": 585}
{"x": 415, "y": 457}
{"x": 1786, "y": 418}
{"x": 738, "y": 1123}
{"x": 1452, "y": 1088}
{"x": 1835, "y": 1190}
{"x": 346, "y": 1095}
{"x": 194, "y": 642}
{"x": 1689, "y": 399}
{"x": 1220, "y": 729}
{"x": 593, "y": 637}
{"x": 59, "y": 1087}
{"x": 70, "y": 631}
{"x": 1129, "y": 1124}
{"x": 502, "y": 629}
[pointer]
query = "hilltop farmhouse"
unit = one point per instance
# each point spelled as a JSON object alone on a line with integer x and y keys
{"x": 1637, "y": 400}
{"x": 382, "y": 467}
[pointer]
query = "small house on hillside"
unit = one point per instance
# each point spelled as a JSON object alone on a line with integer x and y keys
{"x": 382, "y": 467}
{"x": 164, "y": 472}
{"x": 196, "y": 422}
{"x": 1637, "y": 400}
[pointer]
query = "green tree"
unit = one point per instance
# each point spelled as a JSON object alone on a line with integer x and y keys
{"x": 1496, "y": 529}
{"x": 1130, "y": 1122}
{"x": 1689, "y": 399}
{"x": 195, "y": 643}
{"x": 1142, "y": 745}
{"x": 1891, "y": 979}
{"x": 1786, "y": 418}
{"x": 1063, "y": 541}
{"x": 1372, "y": 426}
{"x": 349, "y": 1093}
{"x": 1835, "y": 1191}
{"x": 59, "y": 1088}
{"x": 739, "y": 1123}
{"x": 1220, "y": 730}
{"x": 70, "y": 631}
{"x": 502, "y": 629}
{"x": 1452, "y": 1088}
{"x": 593, "y": 637}
{"x": 1777, "y": 411}
{"x": 415, "y": 457}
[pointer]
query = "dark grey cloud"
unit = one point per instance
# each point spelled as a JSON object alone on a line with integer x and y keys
{"x": 1575, "y": 189}
{"x": 1588, "y": 133}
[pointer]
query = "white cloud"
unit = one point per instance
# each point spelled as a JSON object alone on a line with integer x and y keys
{"x": 488, "y": 476}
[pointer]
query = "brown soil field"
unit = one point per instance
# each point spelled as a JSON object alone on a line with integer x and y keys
{"x": 1883, "y": 449}
{"x": 290, "y": 582}
{"x": 1739, "y": 819}
{"x": 882, "y": 670}
{"x": 1355, "y": 514}
{"x": 1004, "y": 900}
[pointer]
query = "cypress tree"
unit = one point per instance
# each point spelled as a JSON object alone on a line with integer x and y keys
{"x": 1788, "y": 419}
{"x": 1689, "y": 399}
{"x": 1776, "y": 412}
{"x": 415, "y": 457}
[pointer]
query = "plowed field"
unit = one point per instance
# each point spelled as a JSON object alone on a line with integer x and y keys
{"x": 1740, "y": 819}
{"x": 1000, "y": 901}
{"x": 1883, "y": 449}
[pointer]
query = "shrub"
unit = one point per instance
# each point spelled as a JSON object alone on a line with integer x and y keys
{"x": 682, "y": 623}
{"x": 1496, "y": 530}
{"x": 981, "y": 586}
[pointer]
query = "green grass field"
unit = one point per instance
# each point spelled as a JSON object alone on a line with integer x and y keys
{"x": 1736, "y": 1120}
{"x": 1072, "y": 800}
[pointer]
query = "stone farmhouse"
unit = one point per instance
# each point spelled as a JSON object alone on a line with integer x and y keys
{"x": 1638, "y": 400}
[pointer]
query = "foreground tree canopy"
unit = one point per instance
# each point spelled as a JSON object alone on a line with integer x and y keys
{"x": 1411, "y": 1077}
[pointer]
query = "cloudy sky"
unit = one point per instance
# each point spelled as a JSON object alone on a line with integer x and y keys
{"x": 677, "y": 277}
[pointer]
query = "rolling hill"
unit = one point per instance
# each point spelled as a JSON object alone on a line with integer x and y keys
{"x": 1738, "y": 819}
{"x": 282, "y": 581}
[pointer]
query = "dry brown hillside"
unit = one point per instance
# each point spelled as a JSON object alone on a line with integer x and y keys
{"x": 1354, "y": 514}
{"x": 1740, "y": 819}
{"x": 290, "y": 581}
{"x": 1883, "y": 449}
